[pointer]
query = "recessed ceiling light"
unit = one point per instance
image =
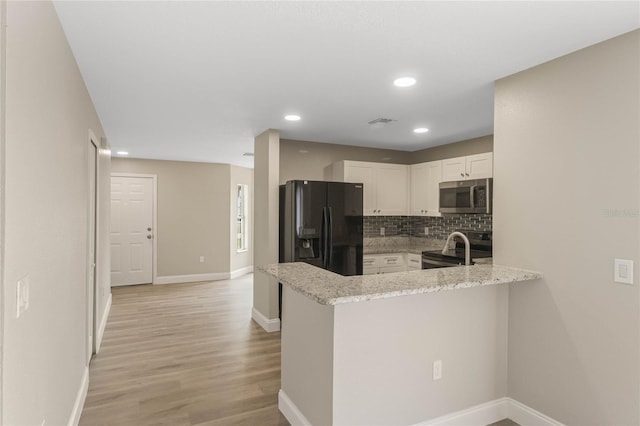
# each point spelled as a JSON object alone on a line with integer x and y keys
{"x": 303, "y": 151}
{"x": 122, "y": 152}
{"x": 420, "y": 130}
{"x": 292, "y": 117}
{"x": 404, "y": 82}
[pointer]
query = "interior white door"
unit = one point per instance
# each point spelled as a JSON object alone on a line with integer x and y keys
{"x": 131, "y": 230}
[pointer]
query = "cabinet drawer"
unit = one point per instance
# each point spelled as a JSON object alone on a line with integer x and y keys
{"x": 370, "y": 270}
{"x": 392, "y": 261}
{"x": 369, "y": 261}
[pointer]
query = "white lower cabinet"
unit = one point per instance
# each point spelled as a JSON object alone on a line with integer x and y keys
{"x": 390, "y": 262}
{"x": 414, "y": 262}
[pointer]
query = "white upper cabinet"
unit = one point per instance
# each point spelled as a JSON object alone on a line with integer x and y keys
{"x": 425, "y": 188}
{"x": 477, "y": 166}
{"x": 386, "y": 186}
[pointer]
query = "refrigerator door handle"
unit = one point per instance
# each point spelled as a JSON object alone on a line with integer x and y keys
{"x": 324, "y": 238}
{"x": 330, "y": 239}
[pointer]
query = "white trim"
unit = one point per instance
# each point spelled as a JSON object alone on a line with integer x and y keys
{"x": 173, "y": 279}
{"x": 270, "y": 325}
{"x": 74, "y": 419}
{"x": 527, "y": 416}
{"x": 290, "y": 411}
{"x": 478, "y": 415}
{"x": 103, "y": 323}
{"x": 240, "y": 272}
{"x": 154, "y": 202}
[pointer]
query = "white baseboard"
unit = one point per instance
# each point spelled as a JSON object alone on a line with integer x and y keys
{"x": 240, "y": 272}
{"x": 174, "y": 279}
{"x": 103, "y": 323}
{"x": 527, "y": 416}
{"x": 290, "y": 411}
{"x": 74, "y": 419}
{"x": 478, "y": 415}
{"x": 270, "y": 325}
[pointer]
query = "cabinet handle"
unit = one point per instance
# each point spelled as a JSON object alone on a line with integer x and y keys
{"x": 462, "y": 174}
{"x": 466, "y": 174}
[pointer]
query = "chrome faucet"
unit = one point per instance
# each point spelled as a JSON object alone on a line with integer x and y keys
{"x": 467, "y": 246}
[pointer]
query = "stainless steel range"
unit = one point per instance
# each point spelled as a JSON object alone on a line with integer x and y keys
{"x": 481, "y": 247}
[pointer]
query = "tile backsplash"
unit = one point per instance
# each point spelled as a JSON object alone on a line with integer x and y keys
{"x": 413, "y": 226}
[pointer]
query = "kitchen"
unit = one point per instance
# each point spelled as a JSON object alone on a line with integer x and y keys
{"x": 520, "y": 170}
{"x": 566, "y": 198}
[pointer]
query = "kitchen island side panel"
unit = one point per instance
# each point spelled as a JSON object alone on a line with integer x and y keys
{"x": 307, "y": 356}
{"x": 384, "y": 352}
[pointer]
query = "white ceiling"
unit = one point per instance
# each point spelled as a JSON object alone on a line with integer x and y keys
{"x": 197, "y": 81}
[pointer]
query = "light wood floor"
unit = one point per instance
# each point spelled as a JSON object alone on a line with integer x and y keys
{"x": 184, "y": 354}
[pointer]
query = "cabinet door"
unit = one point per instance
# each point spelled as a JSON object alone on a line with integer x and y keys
{"x": 454, "y": 169}
{"x": 419, "y": 188}
{"x": 364, "y": 173}
{"x": 434, "y": 177}
{"x": 479, "y": 166}
{"x": 414, "y": 261}
{"x": 392, "y": 189}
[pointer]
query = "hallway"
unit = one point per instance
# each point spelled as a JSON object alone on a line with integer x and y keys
{"x": 185, "y": 354}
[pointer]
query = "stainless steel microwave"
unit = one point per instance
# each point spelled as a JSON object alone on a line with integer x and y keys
{"x": 466, "y": 196}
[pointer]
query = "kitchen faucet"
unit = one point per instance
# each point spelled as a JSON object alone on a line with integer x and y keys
{"x": 467, "y": 246}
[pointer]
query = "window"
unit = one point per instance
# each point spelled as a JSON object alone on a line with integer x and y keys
{"x": 241, "y": 218}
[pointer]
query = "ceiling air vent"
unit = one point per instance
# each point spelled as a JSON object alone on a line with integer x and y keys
{"x": 380, "y": 122}
{"x": 248, "y": 154}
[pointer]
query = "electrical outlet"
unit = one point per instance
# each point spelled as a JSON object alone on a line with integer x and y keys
{"x": 201, "y": 259}
{"x": 22, "y": 295}
{"x": 426, "y": 230}
{"x": 437, "y": 370}
{"x": 382, "y": 231}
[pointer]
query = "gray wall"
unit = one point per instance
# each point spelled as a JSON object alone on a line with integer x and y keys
{"x": 193, "y": 214}
{"x": 266, "y": 195}
{"x": 456, "y": 149}
{"x": 567, "y": 174}
{"x": 48, "y": 117}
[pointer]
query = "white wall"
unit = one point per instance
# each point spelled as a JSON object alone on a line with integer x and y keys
{"x": 48, "y": 116}
{"x": 567, "y": 191}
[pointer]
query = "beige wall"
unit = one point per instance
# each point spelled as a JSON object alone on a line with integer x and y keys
{"x": 566, "y": 159}
{"x": 313, "y": 164}
{"x": 48, "y": 116}
{"x": 266, "y": 195}
{"x": 456, "y": 149}
{"x": 193, "y": 214}
{"x": 241, "y": 260}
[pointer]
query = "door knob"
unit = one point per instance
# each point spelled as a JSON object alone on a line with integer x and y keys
{"x": 149, "y": 229}
{"x": 149, "y": 237}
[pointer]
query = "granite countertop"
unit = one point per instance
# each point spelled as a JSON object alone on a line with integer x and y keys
{"x": 328, "y": 288}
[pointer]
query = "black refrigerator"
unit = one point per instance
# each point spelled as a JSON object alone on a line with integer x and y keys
{"x": 321, "y": 224}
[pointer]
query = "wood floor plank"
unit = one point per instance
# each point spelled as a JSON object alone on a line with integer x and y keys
{"x": 185, "y": 354}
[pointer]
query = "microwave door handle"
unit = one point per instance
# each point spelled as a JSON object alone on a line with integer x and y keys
{"x": 472, "y": 193}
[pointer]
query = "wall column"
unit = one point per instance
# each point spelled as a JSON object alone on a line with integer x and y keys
{"x": 266, "y": 181}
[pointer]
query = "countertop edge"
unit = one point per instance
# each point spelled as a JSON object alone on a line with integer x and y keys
{"x": 500, "y": 274}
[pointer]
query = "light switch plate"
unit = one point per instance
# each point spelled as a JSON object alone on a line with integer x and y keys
{"x": 623, "y": 271}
